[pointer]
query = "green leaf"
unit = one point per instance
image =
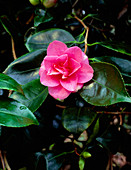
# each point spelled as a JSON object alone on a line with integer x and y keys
{"x": 123, "y": 64}
{"x": 94, "y": 132}
{"x": 42, "y": 16}
{"x": 8, "y": 83}
{"x": 120, "y": 47}
{"x": 110, "y": 139}
{"x": 55, "y": 160}
{"x": 15, "y": 114}
{"x": 39, "y": 20}
{"x": 42, "y": 39}
{"x": 107, "y": 86}
{"x": 26, "y": 68}
{"x": 36, "y": 161}
{"x": 34, "y": 95}
{"x": 76, "y": 120}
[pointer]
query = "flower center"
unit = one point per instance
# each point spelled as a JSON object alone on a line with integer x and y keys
{"x": 62, "y": 69}
{"x": 66, "y": 66}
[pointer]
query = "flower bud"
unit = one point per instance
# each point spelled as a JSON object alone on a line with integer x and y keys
{"x": 86, "y": 154}
{"x": 49, "y": 3}
{"x": 34, "y": 2}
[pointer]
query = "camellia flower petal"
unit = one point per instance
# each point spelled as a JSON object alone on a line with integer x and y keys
{"x": 59, "y": 92}
{"x": 56, "y": 48}
{"x": 49, "y": 80}
{"x": 64, "y": 70}
{"x": 75, "y": 53}
{"x": 70, "y": 83}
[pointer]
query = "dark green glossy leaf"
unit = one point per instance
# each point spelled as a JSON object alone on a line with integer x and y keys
{"x": 42, "y": 17}
{"x": 124, "y": 65}
{"x": 37, "y": 161}
{"x": 120, "y": 47}
{"x": 39, "y": 20}
{"x": 42, "y": 39}
{"x": 8, "y": 83}
{"x": 94, "y": 133}
{"x": 76, "y": 120}
{"x": 15, "y": 114}
{"x": 110, "y": 139}
{"x": 54, "y": 160}
{"x": 34, "y": 95}
{"x": 26, "y": 68}
{"x": 107, "y": 86}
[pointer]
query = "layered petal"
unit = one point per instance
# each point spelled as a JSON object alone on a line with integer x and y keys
{"x": 42, "y": 68}
{"x": 58, "y": 92}
{"x": 70, "y": 83}
{"x": 85, "y": 73}
{"x": 62, "y": 59}
{"x": 75, "y": 53}
{"x": 49, "y": 62}
{"x": 61, "y": 63}
{"x": 73, "y": 66}
{"x": 56, "y": 48}
{"x": 49, "y": 80}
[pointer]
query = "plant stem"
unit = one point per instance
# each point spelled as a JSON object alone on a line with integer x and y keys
{"x": 115, "y": 113}
{"x": 2, "y": 160}
{"x": 80, "y": 21}
{"x": 87, "y": 30}
{"x": 13, "y": 48}
{"x": 75, "y": 3}
{"x": 6, "y": 162}
{"x": 109, "y": 165}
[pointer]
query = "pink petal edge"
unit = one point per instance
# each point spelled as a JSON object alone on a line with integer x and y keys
{"x": 56, "y": 48}
{"x": 75, "y": 53}
{"x": 85, "y": 73}
{"x": 58, "y": 92}
{"x": 49, "y": 80}
{"x": 70, "y": 83}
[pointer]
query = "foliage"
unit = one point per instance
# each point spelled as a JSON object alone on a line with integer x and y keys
{"x": 73, "y": 133}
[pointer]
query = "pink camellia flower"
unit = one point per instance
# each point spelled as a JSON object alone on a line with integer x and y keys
{"x": 64, "y": 70}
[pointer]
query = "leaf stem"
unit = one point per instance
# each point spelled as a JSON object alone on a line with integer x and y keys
{"x": 75, "y": 42}
{"x": 94, "y": 59}
{"x": 64, "y": 153}
{"x": 95, "y": 43}
{"x": 127, "y": 84}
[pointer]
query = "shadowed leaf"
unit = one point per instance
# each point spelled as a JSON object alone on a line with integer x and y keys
{"x": 107, "y": 86}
